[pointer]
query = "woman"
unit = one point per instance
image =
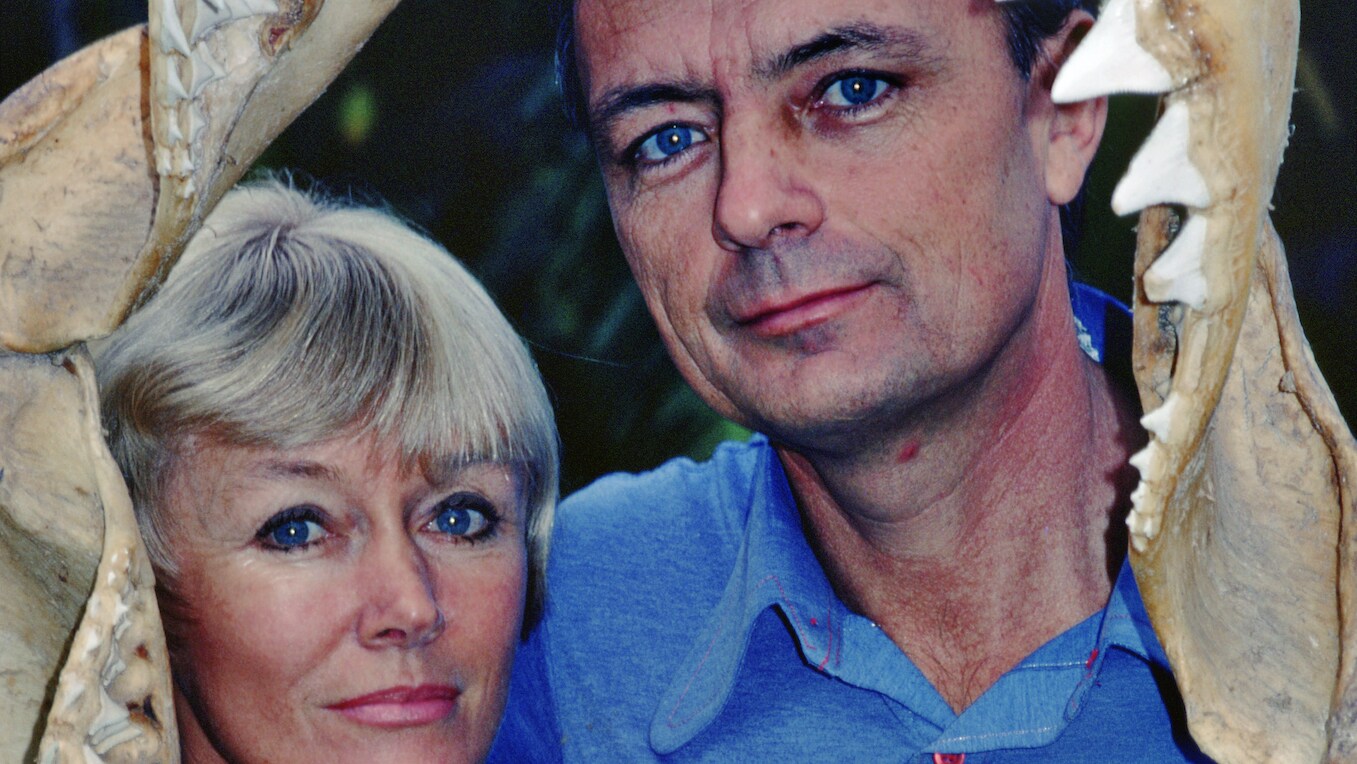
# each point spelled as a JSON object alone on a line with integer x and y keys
{"x": 344, "y": 466}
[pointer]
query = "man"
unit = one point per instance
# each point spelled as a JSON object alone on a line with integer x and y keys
{"x": 845, "y": 218}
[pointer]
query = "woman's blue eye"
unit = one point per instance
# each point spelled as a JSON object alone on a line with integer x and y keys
{"x": 293, "y": 528}
{"x": 295, "y": 533}
{"x": 456, "y": 518}
{"x": 667, "y": 142}
{"x": 855, "y": 90}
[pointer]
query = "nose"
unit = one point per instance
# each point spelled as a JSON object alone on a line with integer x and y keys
{"x": 764, "y": 195}
{"x": 402, "y": 607}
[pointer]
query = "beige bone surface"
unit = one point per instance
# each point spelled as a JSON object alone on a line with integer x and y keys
{"x": 51, "y": 531}
{"x": 1241, "y": 537}
{"x": 109, "y": 161}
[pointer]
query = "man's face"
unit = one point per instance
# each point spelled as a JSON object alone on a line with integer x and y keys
{"x": 837, "y": 212}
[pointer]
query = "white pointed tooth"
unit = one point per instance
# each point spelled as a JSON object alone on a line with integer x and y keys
{"x": 1160, "y": 172}
{"x": 163, "y": 163}
{"x": 1143, "y": 529}
{"x": 1145, "y": 460}
{"x": 210, "y": 16}
{"x": 1109, "y": 60}
{"x": 1138, "y": 496}
{"x": 1177, "y": 275}
{"x": 173, "y": 133}
{"x": 111, "y": 723}
{"x": 206, "y": 70}
{"x": 183, "y": 165}
{"x": 1157, "y": 422}
{"x": 196, "y": 123}
{"x": 173, "y": 84}
{"x": 214, "y": 13}
{"x": 171, "y": 32}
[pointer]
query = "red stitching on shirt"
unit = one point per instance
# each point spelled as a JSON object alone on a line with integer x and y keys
{"x": 830, "y": 646}
{"x": 791, "y": 609}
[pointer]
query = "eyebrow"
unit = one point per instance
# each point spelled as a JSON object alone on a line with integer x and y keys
{"x": 851, "y": 37}
{"x": 445, "y": 469}
{"x": 616, "y": 103}
{"x": 299, "y": 468}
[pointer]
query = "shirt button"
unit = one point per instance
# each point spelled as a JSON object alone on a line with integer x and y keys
{"x": 949, "y": 758}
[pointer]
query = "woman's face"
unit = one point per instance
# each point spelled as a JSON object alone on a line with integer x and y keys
{"x": 332, "y": 607}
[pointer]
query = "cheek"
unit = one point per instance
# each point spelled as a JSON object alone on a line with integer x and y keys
{"x": 672, "y": 257}
{"x": 483, "y": 602}
{"x": 276, "y": 627}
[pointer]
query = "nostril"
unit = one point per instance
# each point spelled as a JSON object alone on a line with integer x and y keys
{"x": 392, "y": 635}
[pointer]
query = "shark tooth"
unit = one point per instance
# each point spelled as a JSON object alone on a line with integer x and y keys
{"x": 1161, "y": 171}
{"x": 1144, "y": 525}
{"x": 205, "y": 71}
{"x": 135, "y": 147}
{"x": 1176, "y": 275}
{"x": 171, "y": 35}
{"x": 1144, "y": 460}
{"x": 1158, "y": 422}
{"x": 210, "y": 15}
{"x": 174, "y": 86}
{"x": 214, "y": 13}
{"x": 1110, "y": 60}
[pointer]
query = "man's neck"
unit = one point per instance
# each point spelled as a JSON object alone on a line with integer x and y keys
{"x": 975, "y": 539}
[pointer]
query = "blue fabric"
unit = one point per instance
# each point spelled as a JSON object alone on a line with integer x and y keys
{"x": 688, "y": 620}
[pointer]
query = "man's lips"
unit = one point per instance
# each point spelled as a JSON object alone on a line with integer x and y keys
{"x": 780, "y": 318}
{"x": 400, "y": 706}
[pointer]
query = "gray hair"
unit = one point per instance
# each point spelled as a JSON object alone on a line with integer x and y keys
{"x": 291, "y": 319}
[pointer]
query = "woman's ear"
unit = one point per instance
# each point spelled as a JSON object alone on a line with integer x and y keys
{"x": 1075, "y": 129}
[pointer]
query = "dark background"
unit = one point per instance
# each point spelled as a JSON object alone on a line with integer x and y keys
{"x": 450, "y": 114}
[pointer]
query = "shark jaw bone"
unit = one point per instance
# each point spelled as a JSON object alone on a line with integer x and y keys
{"x": 1240, "y": 528}
{"x": 109, "y": 161}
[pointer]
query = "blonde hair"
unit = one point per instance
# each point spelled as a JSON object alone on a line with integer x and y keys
{"x": 291, "y": 319}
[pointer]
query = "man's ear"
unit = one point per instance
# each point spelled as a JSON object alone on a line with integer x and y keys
{"x": 1076, "y": 128}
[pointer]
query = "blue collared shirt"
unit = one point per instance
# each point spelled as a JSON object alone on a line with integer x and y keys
{"x": 688, "y": 619}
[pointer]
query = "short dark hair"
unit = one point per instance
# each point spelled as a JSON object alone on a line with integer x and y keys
{"x": 1029, "y": 23}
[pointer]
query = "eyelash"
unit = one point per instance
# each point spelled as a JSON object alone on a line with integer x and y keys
{"x": 310, "y": 515}
{"x": 304, "y": 514}
{"x": 631, "y": 155}
{"x": 822, "y": 89}
{"x": 472, "y": 502}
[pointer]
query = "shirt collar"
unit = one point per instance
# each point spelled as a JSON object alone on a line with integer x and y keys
{"x": 775, "y": 567}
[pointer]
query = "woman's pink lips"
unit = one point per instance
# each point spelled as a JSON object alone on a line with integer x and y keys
{"x": 803, "y": 312}
{"x": 400, "y": 706}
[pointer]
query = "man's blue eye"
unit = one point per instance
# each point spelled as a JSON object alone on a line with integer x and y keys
{"x": 457, "y": 519}
{"x": 667, "y": 142}
{"x": 855, "y": 90}
{"x": 295, "y": 533}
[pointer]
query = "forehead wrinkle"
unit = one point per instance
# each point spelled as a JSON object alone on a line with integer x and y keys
{"x": 861, "y": 36}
